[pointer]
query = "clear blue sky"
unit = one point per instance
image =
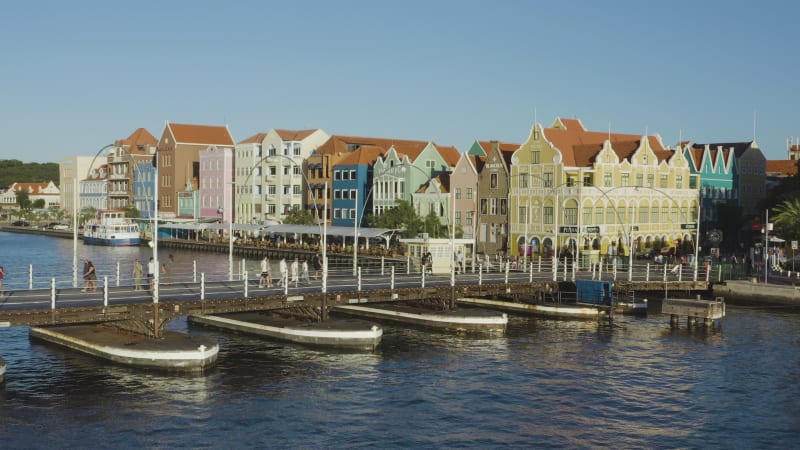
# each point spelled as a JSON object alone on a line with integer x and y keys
{"x": 76, "y": 75}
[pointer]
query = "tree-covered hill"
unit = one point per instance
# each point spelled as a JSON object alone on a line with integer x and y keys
{"x": 12, "y": 170}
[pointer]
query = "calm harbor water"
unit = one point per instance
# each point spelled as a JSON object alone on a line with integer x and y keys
{"x": 635, "y": 383}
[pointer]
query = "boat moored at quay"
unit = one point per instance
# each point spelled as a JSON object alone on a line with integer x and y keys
{"x": 112, "y": 228}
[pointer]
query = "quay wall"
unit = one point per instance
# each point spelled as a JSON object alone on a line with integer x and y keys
{"x": 749, "y": 293}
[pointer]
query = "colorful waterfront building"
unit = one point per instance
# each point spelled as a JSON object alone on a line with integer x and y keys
{"x": 600, "y": 194}
{"x": 491, "y": 239}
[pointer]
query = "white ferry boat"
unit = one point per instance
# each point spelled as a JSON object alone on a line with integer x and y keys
{"x": 112, "y": 228}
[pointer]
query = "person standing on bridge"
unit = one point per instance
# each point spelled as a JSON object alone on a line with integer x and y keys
{"x": 304, "y": 272}
{"x": 284, "y": 272}
{"x": 266, "y": 276}
{"x": 151, "y": 273}
{"x": 317, "y": 264}
{"x": 295, "y": 272}
{"x": 138, "y": 271}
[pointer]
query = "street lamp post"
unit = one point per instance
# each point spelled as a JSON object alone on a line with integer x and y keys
{"x": 75, "y": 209}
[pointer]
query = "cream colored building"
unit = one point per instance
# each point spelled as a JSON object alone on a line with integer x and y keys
{"x": 270, "y": 174}
{"x": 593, "y": 192}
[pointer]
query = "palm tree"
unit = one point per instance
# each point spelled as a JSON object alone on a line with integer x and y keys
{"x": 788, "y": 218}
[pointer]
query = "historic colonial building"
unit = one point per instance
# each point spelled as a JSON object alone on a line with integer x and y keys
{"x": 493, "y": 191}
{"x": 574, "y": 190}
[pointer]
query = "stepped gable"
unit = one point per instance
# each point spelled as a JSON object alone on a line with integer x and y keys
{"x": 201, "y": 134}
{"x": 579, "y": 147}
{"x": 738, "y": 147}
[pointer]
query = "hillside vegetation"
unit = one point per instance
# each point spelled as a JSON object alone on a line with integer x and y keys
{"x": 12, "y": 170}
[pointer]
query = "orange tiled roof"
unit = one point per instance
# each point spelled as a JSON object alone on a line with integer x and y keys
{"x": 450, "y": 154}
{"x": 254, "y": 139}
{"x": 346, "y": 144}
{"x": 366, "y": 155}
{"x": 201, "y": 134}
{"x": 33, "y": 188}
{"x": 140, "y": 137}
{"x": 784, "y": 167}
{"x": 294, "y": 135}
{"x": 579, "y": 147}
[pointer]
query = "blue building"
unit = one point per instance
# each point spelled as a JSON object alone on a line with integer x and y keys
{"x": 143, "y": 188}
{"x": 352, "y": 185}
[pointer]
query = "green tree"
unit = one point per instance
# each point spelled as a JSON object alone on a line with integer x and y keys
{"x": 38, "y": 203}
{"x": 788, "y": 219}
{"x": 131, "y": 211}
{"x": 87, "y": 213}
{"x": 23, "y": 199}
{"x": 299, "y": 216}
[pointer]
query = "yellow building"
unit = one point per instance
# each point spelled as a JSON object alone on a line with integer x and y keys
{"x": 587, "y": 192}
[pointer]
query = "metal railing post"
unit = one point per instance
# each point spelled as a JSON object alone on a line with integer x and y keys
{"x": 30, "y": 276}
{"x": 117, "y": 273}
{"x": 392, "y": 282}
{"x": 506, "y": 277}
{"x": 359, "y": 278}
{"x": 422, "y": 279}
{"x": 480, "y": 274}
{"x": 245, "y": 283}
{"x": 530, "y": 273}
{"x": 203, "y": 286}
{"x": 382, "y": 264}
{"x": 53, "y": 293}
{"x": 194, "y": 271}
{"x": 105, "y": 290}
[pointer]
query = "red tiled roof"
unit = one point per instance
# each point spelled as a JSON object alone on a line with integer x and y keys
{"x": 254, "y": 139}
{"x": 346, "y": 144}
{"x": 579, "y": 147}
{"x": 33, "y": 188}
{"x": 784, "y": 167}
{"x": 294, "y": 135}
{"x": 201, "y": 134}
{"x": 449, "y": 154}
{"x": 366, "y": 155}
{"x": 140, "y": 137}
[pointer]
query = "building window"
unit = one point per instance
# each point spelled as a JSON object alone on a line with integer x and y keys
{"x": 337, "y": 214}
{"x": 353, "y": 194}
{"x": 607, "y": 180}
{"x": 503, "y": 206}
{"x": 430, "y": 164}
{"x": 598, "y": 215}
{"x": 297, "y": 170}
{"x": 548, "y": 215}
{"x": 285, "y": 149}
{"x": 484, "y": 206}
{"x": 663, "y": 181}
{"x": 469, "y": 193}
{"x": 297, "y": 149}
{"x": 337, "y": 195}
{"x": 296, "y": 189}
{"x": 272, "y": 152}
{"x": 493, "y": 181}
{"x": 458, "y": 193}
{"x": 458, "y": 218}
{"x": 639, "y": 179}
{"x": 625, "y": 179}
{"x": 523, "y": 214}
{"x": 271, "y": 189}
{"x": 548, "y": 179}
{"x": 535, "y": 157}
{"x": 523, "y": 180}
{"x": 654, "y": 215}
{"x": 587, "y": 216}
{"x": 353, "y": 213}
{"x": 679, "y": 182}
{"x": 493, "y": 206}
{"x": 650, "y": 180}
{"x": 469, "y": 218}
{"x": 353, "y": 175}
{"x": 611, "y": 215}
{"x": 644, "y": 214}
{"x": 570, "y": 216}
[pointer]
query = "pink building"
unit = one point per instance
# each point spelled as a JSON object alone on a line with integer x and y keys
{"x": 216, "y": 178}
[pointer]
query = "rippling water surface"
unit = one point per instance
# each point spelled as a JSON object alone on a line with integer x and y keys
{"x": 546, "y": 383}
